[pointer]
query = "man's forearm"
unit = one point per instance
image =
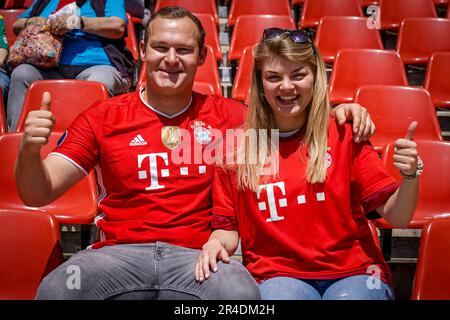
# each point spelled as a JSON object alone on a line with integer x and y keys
{"x": 106, "y": 27}
{"x": 33, "y": 183}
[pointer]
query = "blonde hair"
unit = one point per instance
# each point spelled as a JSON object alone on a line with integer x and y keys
{"x": 260, "y": 116}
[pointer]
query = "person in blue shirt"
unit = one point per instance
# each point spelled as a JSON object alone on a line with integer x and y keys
{"x": 95, "y": 51}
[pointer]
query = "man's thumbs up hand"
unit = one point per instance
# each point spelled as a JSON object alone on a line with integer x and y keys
{"x": 38, "y": 126}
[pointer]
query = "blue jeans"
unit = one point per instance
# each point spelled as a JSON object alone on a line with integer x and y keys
{"x": 350, "y": 288}
{"x": 153, "y": 271}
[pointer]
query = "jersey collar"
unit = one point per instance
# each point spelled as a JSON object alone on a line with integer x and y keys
{"x": 141, "y": 92}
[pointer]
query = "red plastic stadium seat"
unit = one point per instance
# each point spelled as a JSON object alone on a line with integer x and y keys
{"x": 18, "y": 3}
{"x": 297, "y": 1}
{"x": 336, "y": 33}
{"x": 419, "y": 38}
{"x": 69, "y": 99}
{"x": 314, "y": 10}
{"x": 437, "y": 79}
{"x": 432, "y": 278}
{"x": 366, "y": 3}
{"x": 203, "y": 6}
{"x": 357, "y": 67}
{"x": 206, "y": 73}
{"x": 30, "y": 249}
{"x": 204, "y": 88}
{"x": 243, "y": 78}
{"x": 3, "y": 127}
{"x": 10, "y": 16}
{"x": 212, "y": 37}
{"x": 394, "y": 11}
{"x": 434, "y": 183}
{"x": 248, "y": 31}
{"x": 258, "y": 7}
{"x": 130, "y": 40}
{"x": 393, "y": 108}
{"x": 77, "y": 206}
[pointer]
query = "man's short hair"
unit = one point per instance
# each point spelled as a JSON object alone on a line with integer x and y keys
{"x": 177, "y": 13}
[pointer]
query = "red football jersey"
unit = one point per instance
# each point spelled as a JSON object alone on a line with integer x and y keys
{"x": 310, "y": 231}
{"x": 147, "y": 194}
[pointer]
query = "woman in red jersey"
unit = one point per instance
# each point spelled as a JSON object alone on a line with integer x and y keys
{"x": 303, "y": 228}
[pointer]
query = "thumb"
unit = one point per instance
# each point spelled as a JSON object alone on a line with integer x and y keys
{"x": 411, "y": 130}
{"x": 46, "y": 101}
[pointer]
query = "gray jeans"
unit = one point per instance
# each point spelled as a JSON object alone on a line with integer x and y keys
{"x": 158, "y": 271}
{"x": 25, "y": 74}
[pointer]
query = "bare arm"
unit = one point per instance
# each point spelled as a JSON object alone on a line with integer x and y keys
{"x": 107, "y": 27}
{"x": 39, "y": 182}
{"x": 20, "y": 24}
{"x": 221, "y": 244}
{"x": 400, "y": 207}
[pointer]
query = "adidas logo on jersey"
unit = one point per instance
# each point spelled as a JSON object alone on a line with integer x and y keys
{"x": 138, "y": 141}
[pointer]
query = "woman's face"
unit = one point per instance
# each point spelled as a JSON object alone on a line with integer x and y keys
{"x": 288, "y": 88}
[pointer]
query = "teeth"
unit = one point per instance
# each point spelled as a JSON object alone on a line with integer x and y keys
{"x": 287, "y": 97}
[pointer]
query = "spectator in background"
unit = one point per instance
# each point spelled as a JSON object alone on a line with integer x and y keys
{"x": 95, "y": 52}
{"x": 4, "y": 76}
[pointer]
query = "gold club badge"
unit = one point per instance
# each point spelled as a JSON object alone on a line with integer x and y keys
{"x": 171, "y": 137}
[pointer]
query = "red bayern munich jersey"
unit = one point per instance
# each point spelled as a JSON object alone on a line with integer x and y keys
{"x": 145, "y": 196}
{"x": 320, "y": 231}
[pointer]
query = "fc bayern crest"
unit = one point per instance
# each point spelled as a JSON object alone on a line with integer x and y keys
{"x": 328, "y": 159}
{"x": 202, "y": 132}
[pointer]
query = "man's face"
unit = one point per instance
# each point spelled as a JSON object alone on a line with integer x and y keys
{"x": 172, "y": 55}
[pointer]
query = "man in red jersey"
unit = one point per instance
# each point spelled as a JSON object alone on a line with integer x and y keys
{"x": 155, "y": 212}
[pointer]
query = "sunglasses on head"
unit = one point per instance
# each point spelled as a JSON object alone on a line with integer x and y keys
{"x": 296, "y": 35}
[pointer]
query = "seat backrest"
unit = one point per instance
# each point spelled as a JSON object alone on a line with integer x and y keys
{"x": 314, "y": 10}
{"x": 207, "y": 73}
{"x": 366, "y": 3}
{"x": 437, "y": 80}
{"x": 393, "y": 108}
{"x": 357, "y": 67}
{"x": 243, "y": 78}
{"x": 242, "y": 36}
{"x": 212, "y": 36}
{"x": 392, "y": 12}
{"x": 432, "y": 277}
{"x": 76, "y": 206}
{"x": 203, "y": 6}
{"x": 3, "y": 127}
{"x": 30, "y": 249}
{"x": 10, "y": 16}
{"x": 434, "y": 183}
{"x": 336, "y": 33}
{"x": 204, "y": 88}
{"x": 256, "y": 7}
{"x": 419, "y": 38}
{"x": 130, "y": 39}
{"x": 69, "y": 98}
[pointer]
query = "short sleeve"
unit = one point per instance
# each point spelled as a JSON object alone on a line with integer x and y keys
{"x": 115, "y": 8}
{"x": 79, "y": 144}
{"x": 370, "y": 179}
{"x": 223, "y": 211}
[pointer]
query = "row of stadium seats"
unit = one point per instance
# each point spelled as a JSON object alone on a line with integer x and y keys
{"x": 392, "y": 108}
